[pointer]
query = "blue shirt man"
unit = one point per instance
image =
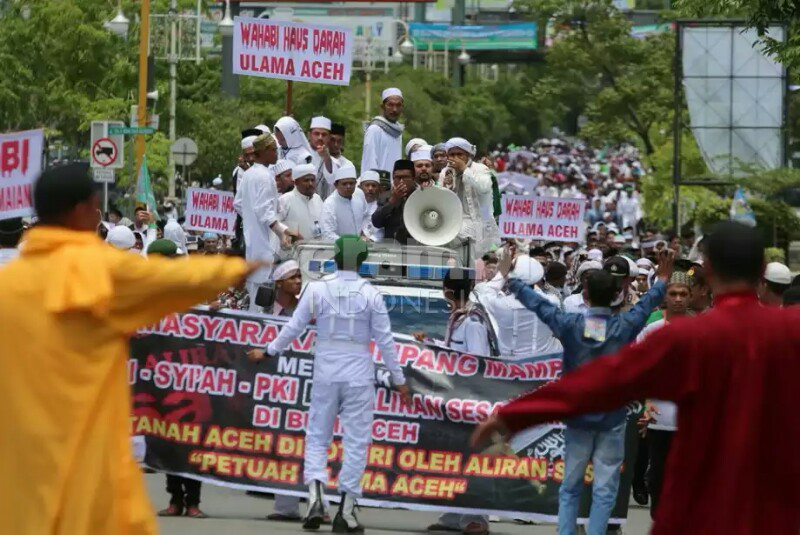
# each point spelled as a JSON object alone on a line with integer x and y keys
{"x": 598, "y": 437}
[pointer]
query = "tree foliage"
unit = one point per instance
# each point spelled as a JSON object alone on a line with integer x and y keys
{"x": 622, "y": 85}
{"x": 759, "y": 15}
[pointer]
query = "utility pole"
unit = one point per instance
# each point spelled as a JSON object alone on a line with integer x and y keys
{"x": 144, "y": 41}
{"x": 459, "y": 19}
{"x": 173, "y": 89}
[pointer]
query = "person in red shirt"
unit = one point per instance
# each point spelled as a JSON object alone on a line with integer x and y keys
{"x": 733, "y": 373}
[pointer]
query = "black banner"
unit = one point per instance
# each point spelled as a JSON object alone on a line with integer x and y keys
{"x": 208, "y": 412}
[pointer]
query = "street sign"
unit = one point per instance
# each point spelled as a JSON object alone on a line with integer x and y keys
{"x": 184, "y": 151}
{"x": 104, "y": 175}
{"x": 107, "y": 148}
{"x": 104, "y": 152}
{"x": 130, "y": 131}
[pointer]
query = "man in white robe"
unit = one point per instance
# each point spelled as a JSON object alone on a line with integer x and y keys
{"x": 423, "y": 166}
{"x": 293, "y": 143}
{"x": 472, "y": 182}
{"x": 332, "y": 158}
{"x": 369, "y": 186}
{"x": 258, "y": 206}
{"x": 301, "y": 208}
{"x": 383, "y": 140}
{"x": 344, "y": 212}
{"x": 320, "y": 134}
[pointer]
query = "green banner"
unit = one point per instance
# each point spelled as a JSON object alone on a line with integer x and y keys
{"x": 521, "y": 36}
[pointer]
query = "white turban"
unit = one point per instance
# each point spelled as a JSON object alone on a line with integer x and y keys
{"x": 528, "y": 270}
{"x": 346, "y": 171}
{"x": 595, "y": 254}
{"x": 285, "y": 269}
{"x": 247, "y": 142}
{"x": 121, "y": 237}
{"x": 321, "y": 122}
{"x": 413, "y": 143}
{"x": 391, "y": 92}
{"x": 299, "y": 171}
{"x": 422, "y": 153}
{"x": 369, "y": 176}
{"x": 281, "y": 166}
{"x": 264, "y": 129}
{"x": 461, "y": 143}
{"x": 216, "y": 182}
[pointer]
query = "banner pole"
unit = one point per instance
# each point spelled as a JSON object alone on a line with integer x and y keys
{"x": 289, "y": 97}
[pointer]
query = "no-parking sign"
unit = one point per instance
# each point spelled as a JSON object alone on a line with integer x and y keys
{"x": 107, "y": 151}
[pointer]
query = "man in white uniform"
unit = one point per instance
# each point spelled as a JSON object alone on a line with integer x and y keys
{"x": 258, "y": 206}
{"x": 344, "y": 212}
{"x": 349, "y": 313}
{"x": 369, "y": 184}
{"x": 383, "y": 140}
{"x": 301, "y": 208}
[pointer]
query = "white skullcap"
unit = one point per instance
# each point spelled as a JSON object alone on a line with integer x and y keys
{"x": 620, "y": 239}
{"x": 774, "y": 272}
{"x": 247, "y": 142}
{"x": 285, "y": 269}
{"x": 588, "y": 266}
{"x": 369, "y": 176}
{"x": 121, "y": 238}
{"x": 347, "y": 171}
{"x": 634, "y": 269}
{"x": 391, "y": 92}
{"x": 461, "y": 143}
{"x": 414, "y": 142}
{"x": 595, "y": 254}
{"x": 528, "y": 270}
{"x": 422, "y": 153}
{"x": 216, "y": 182}
{"x": 281, "y": 166}
{"x": 299, "y": 171}
{"x": 264, "y": 129}
{"x": 321, "y": 122}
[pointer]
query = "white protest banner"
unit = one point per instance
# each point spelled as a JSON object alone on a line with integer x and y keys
{"x": 20, "y": 165}
{"x": 210, "y": 210}
{"x": 542, "y": 218}
{"x": 292, "y": 51}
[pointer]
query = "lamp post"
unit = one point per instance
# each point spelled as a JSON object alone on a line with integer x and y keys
{"x": 119, "y": 24}
{"x": 230, "y": 83}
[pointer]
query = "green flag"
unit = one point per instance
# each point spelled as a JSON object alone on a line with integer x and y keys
{"x": 144, "y": 189}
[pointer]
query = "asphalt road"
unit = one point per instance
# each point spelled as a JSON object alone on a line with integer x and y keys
{"x": 234, "y": 512}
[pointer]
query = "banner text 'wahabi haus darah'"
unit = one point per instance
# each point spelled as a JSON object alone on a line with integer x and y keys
{"x": 292, "y": 51}
{"x": 208, "y": 412}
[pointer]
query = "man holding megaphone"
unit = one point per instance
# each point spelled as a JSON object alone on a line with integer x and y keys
{"x": 389, "y": 217}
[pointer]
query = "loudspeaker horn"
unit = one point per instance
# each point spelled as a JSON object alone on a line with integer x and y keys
{"x": 433, "y": 216}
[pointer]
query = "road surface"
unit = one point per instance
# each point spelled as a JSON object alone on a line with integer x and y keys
{"x": 234, "y": 512}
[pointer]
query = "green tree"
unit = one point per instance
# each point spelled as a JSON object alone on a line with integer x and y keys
{"x": 622, "y": 85}
{"x": 760, "y": 15}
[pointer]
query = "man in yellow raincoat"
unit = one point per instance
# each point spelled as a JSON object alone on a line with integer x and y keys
{"x": 67, "y": 308}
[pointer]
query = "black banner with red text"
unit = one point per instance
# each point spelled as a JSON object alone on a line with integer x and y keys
{"x": 208, "y": 412}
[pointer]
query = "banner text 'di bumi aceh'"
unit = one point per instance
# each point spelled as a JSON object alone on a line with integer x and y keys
{"x": 208, "y": 412}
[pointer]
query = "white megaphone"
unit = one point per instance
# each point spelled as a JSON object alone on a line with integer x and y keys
{"x": 433, "y": 216}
